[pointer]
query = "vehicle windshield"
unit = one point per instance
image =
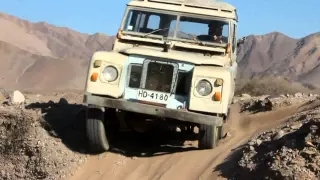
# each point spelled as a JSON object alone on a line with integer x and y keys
{"x": 150, "y": 23}
{"x": 188, "y": 29}
{"x": 204, "y": 30}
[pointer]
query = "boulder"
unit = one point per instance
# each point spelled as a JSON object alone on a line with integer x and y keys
{"x": 17, "y": 97}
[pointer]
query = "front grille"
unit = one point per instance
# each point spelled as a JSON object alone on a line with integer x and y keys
{"x": 159, "y": 77}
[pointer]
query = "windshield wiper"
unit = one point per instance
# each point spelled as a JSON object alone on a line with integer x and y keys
{"x": 154, "y": 31}
{"x": 193, "y": 38}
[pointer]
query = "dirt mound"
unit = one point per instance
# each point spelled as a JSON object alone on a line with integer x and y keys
{"x": 45, "y": 138}
{"x": 261, "y": 103}
{"x": 291, "y": 151}
{"x": 28, "y": 150}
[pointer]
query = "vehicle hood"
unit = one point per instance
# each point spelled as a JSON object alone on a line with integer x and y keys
{"x": 193, "y": 58}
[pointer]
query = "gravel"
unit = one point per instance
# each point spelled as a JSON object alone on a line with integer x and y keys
{"x": 31, "y": 149}
{"x": 289, "y": 152}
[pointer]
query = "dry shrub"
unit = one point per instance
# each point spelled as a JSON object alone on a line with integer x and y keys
{"x": 271, "y": 86}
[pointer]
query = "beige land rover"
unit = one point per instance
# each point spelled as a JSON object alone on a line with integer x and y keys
{"x": 173, "y": 65}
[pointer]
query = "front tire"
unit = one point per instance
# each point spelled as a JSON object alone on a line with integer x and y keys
{"x": 96, "y": 131}
{"x": 210, "y": 136}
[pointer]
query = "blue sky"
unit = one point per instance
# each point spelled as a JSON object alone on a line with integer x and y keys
{"x": 90, "y": 16}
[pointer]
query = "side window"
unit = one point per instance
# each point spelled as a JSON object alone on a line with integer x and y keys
{"x": 154, "y": 22}
{"x": 234, "y": 38}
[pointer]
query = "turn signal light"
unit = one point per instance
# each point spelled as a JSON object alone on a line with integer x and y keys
{"x": 94, "y": 76}
{"x": 217, "y": 96}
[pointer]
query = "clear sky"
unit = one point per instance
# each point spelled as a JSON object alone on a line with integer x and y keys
{"x": 295, "y": 18}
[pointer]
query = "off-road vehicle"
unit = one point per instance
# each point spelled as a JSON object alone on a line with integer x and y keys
{"x": 173, "y": 64}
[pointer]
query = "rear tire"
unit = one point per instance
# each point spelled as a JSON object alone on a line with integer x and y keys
{"x": 96, "y": 131}
{"x": 210, "y": 136}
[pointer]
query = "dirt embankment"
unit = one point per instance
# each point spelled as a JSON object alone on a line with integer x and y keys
{"x": 38, "y": 140}
{"x": 45, "y": 139}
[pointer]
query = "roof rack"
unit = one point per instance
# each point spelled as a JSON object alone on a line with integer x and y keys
{"x": 209, "y": 4}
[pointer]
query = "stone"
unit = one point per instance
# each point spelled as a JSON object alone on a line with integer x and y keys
{"x": 245, "y": 95}
{"x": 234, "y": 101}
{"x": 17, "y": 97}
{"x": 228, "y": 134}
{"x": 309, "y": 152}
{"x": 279, "y": 135}
{"x": 259, "y": 142}
{"x": 2, "y": 98}
{"x": 3, "y": 173}
{"x": 296, "y": 126}
{"x": 298, "y": 94}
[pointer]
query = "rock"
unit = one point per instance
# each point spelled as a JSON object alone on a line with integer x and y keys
{"x": 251, "y": 143}
{"x": 279, "y": 135}
{"x": 234, "y": 101}
{"x": 296, "y": 126}
{"x": 298, "y": 95}
{"x": 2, "y": 98}
{"x": 313, "y": 128}
{"x": 3, "y": 173}
{"x": 259, "y": 142}
{"x": 245, "y": 95}
{"x": 228, "y": 134}
{"x": 308, "y": 152}
{"x": 17, "y": 97}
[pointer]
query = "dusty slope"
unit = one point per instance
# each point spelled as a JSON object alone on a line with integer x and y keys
{"x": 54, "y": 138}
{"x": 176, "y": 162}
{"x": 23, "y": 70}
{"x": 43, "y": 56}
{"x": 279, "y": 55}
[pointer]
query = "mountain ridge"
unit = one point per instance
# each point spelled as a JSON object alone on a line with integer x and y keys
{"x": 38, "y": 48}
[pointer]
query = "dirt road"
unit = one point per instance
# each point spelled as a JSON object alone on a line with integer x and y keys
{"x": 179, "y": 162}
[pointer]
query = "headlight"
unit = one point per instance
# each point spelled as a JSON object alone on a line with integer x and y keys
{"x": 204, "y": 87}
{"x": 110, "y": 73}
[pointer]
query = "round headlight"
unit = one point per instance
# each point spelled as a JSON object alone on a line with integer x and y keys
{"x": 110, "y": 73}
{"x": 204, "y": 87}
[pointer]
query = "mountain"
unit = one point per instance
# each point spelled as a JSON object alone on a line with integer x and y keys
{"x": 41, "y": 56}
{"x": 276, "y": 54}
{"x": 44, "y": 56}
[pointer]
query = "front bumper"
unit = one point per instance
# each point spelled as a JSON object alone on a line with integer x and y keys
{"x": 152, "y": 110}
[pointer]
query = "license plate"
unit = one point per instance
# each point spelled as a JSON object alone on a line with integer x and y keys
{"x": 153, "y": 96}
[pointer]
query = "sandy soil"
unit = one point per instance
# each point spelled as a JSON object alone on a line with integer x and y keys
{"x": 153, "y": 160}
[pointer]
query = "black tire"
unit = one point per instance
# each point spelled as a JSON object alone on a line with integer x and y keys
{"x": 209, "y": 136}
{"x": 96, "y": 131}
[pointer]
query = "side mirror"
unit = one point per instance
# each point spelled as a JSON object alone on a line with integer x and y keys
{"x": 241, "y": 41}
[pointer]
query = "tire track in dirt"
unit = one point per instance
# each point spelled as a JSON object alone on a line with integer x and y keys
{"x": 192, "y": 164}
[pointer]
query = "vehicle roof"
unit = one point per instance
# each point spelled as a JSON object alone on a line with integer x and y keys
{"x": 211, "y": 8}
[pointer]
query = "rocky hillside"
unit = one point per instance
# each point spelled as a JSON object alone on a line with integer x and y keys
{"x": 40, "y": 55}
{"x": 43, "y": 56}
{"x": 42, "y": 136}
{"x": 276, "y": 54}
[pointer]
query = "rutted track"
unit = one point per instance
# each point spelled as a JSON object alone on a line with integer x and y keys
{"x": 180, "y": 162}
